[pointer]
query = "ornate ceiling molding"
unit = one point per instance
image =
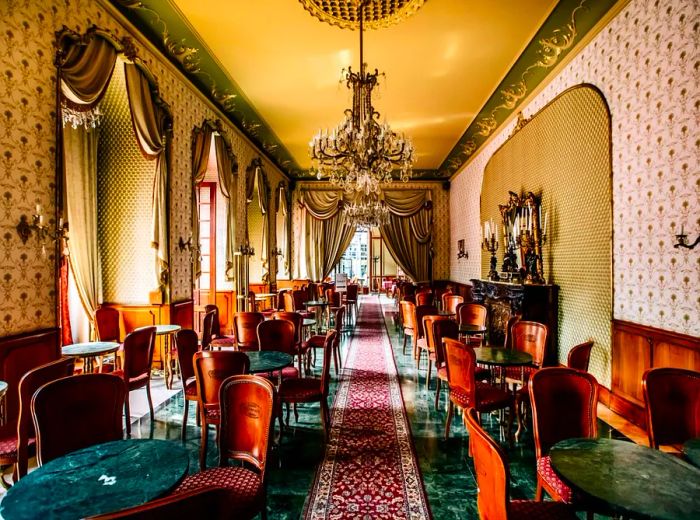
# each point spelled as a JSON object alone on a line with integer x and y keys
{"x": 377, "y": 13}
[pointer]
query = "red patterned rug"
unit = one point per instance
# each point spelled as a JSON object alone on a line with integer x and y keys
{"x": 370, "y": 469}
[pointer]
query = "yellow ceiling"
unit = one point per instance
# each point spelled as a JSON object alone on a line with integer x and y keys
{"x": 441, "y": 64}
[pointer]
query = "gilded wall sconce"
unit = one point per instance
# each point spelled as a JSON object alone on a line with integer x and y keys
{"x": 682, "y": 240}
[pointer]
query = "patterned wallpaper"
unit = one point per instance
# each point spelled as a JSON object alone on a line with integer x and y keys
{"x": 27, "y": 145}
{"x": 645, "y": 63}
{"x": 569, "y": 167}
{"x": 441, "y": 219}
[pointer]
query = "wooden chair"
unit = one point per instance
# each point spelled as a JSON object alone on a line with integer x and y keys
{"x": 187, "y": 347}
{"x": 564, "y": 406}
{"x": 408, "y": 314}
{"x": 318, "y": 341}
{"x": 472, "y": 314}
{"x": 295, "y": 303}
{"x": 451, "y": 302}
{"x": 245, "y": 324}
{"x": 420, "y": 342}
{"x": 214, "y": 503}
{"x": 25, "y": 435}
{"x": 443, "y": 296}
{"x": 493, "y": 481}
{"x": 672, "y": 403}
{"x": 75, "y": 412}
{"x": 579, "y": 356}
{"x": 107, "y": 328}
{"x": 429, "y": 344}
{"x": 218, "y": 340}
{"x": 211, "y": 368}
{"x": 424, "y": 298}
{"x": 247, "y": 405}
{"x": 351, "y": 293}
{"x": 309, "y": 389}
{"x": 208, "y": 330}
{"x": 466, "y": 391}
{"x": 278, "y": 335}
{"x": 136, "y": 371}
{"x": 298, "y": 321}
{"x": 442, "y": 329}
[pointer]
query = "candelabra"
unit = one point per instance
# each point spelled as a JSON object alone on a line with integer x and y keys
{"x": 24, "y": 229}
{"x": 246, "y": 250}
{"x": 276, "y": 252}
{"x": 490, "y": 244}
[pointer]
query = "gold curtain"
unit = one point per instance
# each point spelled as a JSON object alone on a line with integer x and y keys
{"x": 149, "y": 122}
{"x": 228, "y": 183}
{"x": 328, "y": 233}
{"x": 281, "y": 226}
{"x": 255, "y": 182}
{"x": 408, "y": 234}
{"x": 201, "y": 144}
{"x": 83, "y": 75}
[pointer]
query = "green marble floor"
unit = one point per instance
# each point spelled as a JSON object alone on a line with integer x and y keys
{"x": 446, "y": 467}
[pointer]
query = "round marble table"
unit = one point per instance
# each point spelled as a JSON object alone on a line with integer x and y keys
{"x": 320, "y": 308}
{"x": 89, "y": 350}
{"x": 691, "y": 450}
{"x": 268, "y": 360}
{"x": 467, "y": 330}
{"x": 98, "y": 479}
{"x": 629, "y": 479}
{"x": 166, "y": 351}
{"x": 502, "y": 357}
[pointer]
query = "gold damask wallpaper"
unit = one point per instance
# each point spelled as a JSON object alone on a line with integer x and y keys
{"x": 645, "y": 63}
{"x": 27, "y": 146}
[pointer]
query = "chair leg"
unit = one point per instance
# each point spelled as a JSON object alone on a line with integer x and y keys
{"x": 287, "y": 406}
{"x": 437, "y": 393}
{"x": 404, "y": 343}
{"x": 448, "y": 420}
{"x": 509, "y": 429}
{"x": 418, "y": 356}
{"x": 127, "y": 415}
{"x": 427, "y": 378}
{"x": 296, "y": 413}
{"x": 197, "y": 417}
{"x": 538, "y": 491}
{"x": 325, "y": 418}
{"x": 203, "y": 446}
{"x": 335, "y": 359}
{"x": 150, "y": 402}
{"x": 183, "y": 435}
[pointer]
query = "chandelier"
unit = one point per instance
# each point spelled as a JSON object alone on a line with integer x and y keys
{"x": 367, "y": 212}
{"x": 360, "y": 154}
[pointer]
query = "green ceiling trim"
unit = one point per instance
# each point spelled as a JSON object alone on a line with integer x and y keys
{"x": 566, "y": 25}
{"x": 166, "y": 27}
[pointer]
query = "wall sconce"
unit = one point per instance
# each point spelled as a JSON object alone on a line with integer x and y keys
{"x": 246, "y": 250}
{"x": 276, "y": 252}
{"x": 682, "y": 240}
{"x": 461, "y": 251}
{"x": 182, "y": 245}
{"x": 24, "y": 228}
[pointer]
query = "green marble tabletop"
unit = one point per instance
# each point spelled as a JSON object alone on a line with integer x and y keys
{"x": 91, "y": 348}
{"x": 268, "y": 360}
{"x": 691, "y": 450}
{"x": 98, "y": 479}
{"x": 502, "y": 356}
{"x": 161, "y": 330}
{"x": 468, "y": 328}
{"x": 3, "y": 388}
{"x": 316, "y": 303}
{"x": 629, "y": 479}
{"x": 308, "y": 322}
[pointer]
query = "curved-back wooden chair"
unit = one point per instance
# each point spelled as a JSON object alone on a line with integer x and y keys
{"x": 420, "y": 341}
{"x": 429, "y": 345}
{"x": 310, "y": 389}
{"x": 208, "y": 329}
{"x": 298, "y": 321}
{"x": 408, "y": 314}
{"x": 564, "y": 406}
{"x": 218, "y": 340}
{"x": 443, "y": 295}
{"x": 579, "y": 356}
{"x": 28, "y": 385}
{"x": 424, "y": 298}
{"x": 351, "y": 295}
{"x": 187, "y": 347}
{"x": 211, "y": 368}
{"x": 493, "y": 481}
{"x": 672, "y": 403}
{"x": 280, "y": 335}
{"x": 508, "y": 334}
{"x": 451, "y": 302}
{"x": 75, "y": 412}
{"x": 466, "y": 391}
{"x": 245, "y": 324}
{"x": 247, "y": 406}
{"x": 442, "y": 329}
{"x": 136, "y": 370}
{"x": 472, "y": 314}
{"x": 107, "y": 328}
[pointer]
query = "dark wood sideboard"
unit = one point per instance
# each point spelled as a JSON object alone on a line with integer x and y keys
{"x": 533, "y": 302}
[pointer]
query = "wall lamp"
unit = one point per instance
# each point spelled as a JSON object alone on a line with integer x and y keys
{"x": 682, "y": 240}
{"x": 461, "y": 251}
{"x": 25, "y": 228}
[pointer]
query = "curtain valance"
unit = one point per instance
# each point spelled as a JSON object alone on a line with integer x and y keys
{"x": 86, "y": 70}
{"x": 322, "y": 204}
{"x": 405, "y": 203}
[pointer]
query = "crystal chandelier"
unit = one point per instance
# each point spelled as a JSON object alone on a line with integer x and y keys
{"x": 360, "y": 154}
{"x": 367, "y": 212}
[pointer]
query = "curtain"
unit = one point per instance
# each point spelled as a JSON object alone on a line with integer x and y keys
{"x": 201, "y": 144}
{"x": 228, "y": 183}
{"x": 255, "y": 183}
{"x": 282, "y": 226}
{"x": 328, "y": 233}
{"x": 149, "y": 122}
{"x": 408, "y": 234}
{"x": 83, "y": 77}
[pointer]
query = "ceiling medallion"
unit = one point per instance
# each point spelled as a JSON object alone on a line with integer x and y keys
{"x": 361, "y": 153}
{"x": 377, "y": 13}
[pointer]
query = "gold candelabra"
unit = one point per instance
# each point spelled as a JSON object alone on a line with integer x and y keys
{"x": 524, "y": 229}
{"x": 490, "y": 244}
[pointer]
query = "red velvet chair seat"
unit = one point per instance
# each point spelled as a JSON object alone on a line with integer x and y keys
{"x": 191, "y": 388}
{"x": 223, "y": 341}
{"x": 488, "y": 397}
{"x": 527, "y": 509}
{"x": 245, "y": 486}
{"x": 213, "y": 416}
{"x": 300, "y": 390}
{"x": 545, "y": 471}
{"x": 314, "y": 342}
{"x": 514, "y": 372}
{"x": 287, "y": 373}
{"x": 8, "y": 446}
{"x": 135, "y": 382}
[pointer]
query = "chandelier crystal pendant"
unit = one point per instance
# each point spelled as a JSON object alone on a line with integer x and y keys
{"x": 361, "y": 153}
{"x": 367, "y": 211}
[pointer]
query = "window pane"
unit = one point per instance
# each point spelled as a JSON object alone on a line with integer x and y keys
{"x": 204, "y": 229}
{"x": 204, "y": 282}
{"x": 204, "y": 193}
{"x": 204, "y": 210}
{"x": 206, "y": 244}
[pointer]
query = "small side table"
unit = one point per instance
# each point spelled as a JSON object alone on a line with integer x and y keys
{"x": 166, "y": 349}
{"x": 88, "y": 351}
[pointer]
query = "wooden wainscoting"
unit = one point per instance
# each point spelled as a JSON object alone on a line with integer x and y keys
{"x": 20, "y": 354}
{"x": 636, "y": 348}
{"x": 182, "y": 313}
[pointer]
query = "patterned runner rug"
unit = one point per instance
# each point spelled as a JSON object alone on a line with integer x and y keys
{"x": 369, "y": 470}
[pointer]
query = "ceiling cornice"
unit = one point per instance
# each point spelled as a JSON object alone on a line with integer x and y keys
{"x": 165, "y": 27}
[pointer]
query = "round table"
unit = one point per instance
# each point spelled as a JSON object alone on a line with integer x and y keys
{"x": 268, "y": 360}
{"x": 691, "y": 450}
{"x": 629, "y": 479}
{"x": 89, "y": 350}
{"x": 468, "y": 329}
{"x": 98, "y": 479}
{"x": 502, "y": 357}
{"x": 320, "y": 306}
{"x": 166, "y": 348}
